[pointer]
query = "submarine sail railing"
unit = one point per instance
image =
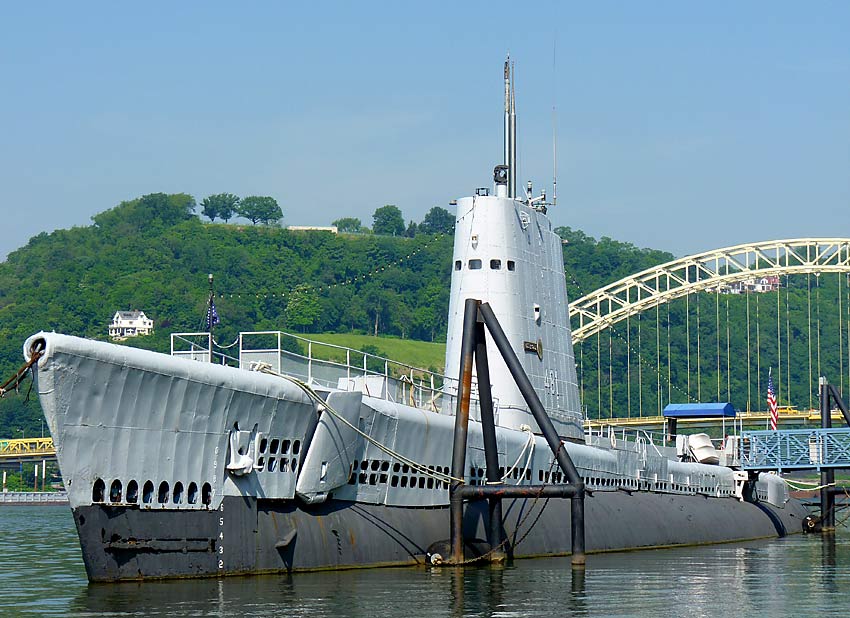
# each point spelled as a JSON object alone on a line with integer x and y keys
{"x": 333, "y": 366}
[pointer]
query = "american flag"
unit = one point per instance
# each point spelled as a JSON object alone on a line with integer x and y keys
{"x": 212, "y": 315}
{"x": 771, "y": 403}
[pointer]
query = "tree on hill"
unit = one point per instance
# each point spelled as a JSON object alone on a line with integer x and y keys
{"x": 221, "y": 205}
{"x": 151, "y": 253}
{"x": 147, "y": 211}
{"x": 388, "y": 220}
{"x": 437, "y": 220}
{"x": 350, "y": 225}
{"x": 259, "y": 209}
{"x": 303, "y": 306}
{"x": 429, "y": 318}
{"x": 172, "y": 208}
{"x": 602, "y": 261}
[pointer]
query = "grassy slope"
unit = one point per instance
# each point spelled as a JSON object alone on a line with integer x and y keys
{"x": 420, "y": 354}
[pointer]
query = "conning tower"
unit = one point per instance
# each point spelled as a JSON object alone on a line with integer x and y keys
{"x": 507, "y": 254}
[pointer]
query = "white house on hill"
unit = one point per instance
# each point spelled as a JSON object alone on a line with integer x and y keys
{"x": 130, "y": 324}
{"x": 313, "y": 228}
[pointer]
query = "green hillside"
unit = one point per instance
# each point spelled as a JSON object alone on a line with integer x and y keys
{"x": 154, "y": 254}
{"x": 419, "y": 354}
{"x": 388, "y": 295}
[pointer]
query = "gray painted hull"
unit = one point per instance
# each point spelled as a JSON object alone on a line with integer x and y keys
{"x": 250, "y": 536}
{"x": 152, "y": 450}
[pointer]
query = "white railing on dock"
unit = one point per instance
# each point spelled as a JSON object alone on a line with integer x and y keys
{"x": 795, "y": 449}
{"x": 33, "y": 497}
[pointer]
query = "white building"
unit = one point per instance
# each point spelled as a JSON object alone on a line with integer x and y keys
{"x": 130, "y": 324}
{"x": 313, "y": 228}
{"x": 760, "y": 285}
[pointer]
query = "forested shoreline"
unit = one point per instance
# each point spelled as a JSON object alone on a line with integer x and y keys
{"x": 154, "y": 254}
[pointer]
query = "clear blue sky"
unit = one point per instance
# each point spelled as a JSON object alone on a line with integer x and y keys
{"x": 681, "y": 126}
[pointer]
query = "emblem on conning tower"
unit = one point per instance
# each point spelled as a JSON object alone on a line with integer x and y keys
{"x": 531, "y": 346}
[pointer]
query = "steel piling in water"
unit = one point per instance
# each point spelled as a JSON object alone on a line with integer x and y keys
{"x": 488, "y": 429}
{"x": 473, "y": 347}
{"x": 827, "y": 475}
{"x": 546, "y": 427}
{"x": 467, "y": 350}
{"x": 828, "y": 396}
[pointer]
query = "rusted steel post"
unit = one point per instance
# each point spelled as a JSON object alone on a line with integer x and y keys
{"x": 827, "y": 475}
{"x": 578, "y": 558}
{"x": 839, "y": 402}
{"x": 467, "y": 348}
{"x": 545, "y": 424}
{"x": 488, "y": 429}
{"x": 671, "y": 429}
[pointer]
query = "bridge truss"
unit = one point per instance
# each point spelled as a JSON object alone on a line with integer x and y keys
{"x": 26, "y": 449}
{"x": 735, "y": 274}
{"x": 707, "y": 271}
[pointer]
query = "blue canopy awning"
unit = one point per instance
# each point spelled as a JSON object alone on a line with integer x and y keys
{"x": 699, "y": 410}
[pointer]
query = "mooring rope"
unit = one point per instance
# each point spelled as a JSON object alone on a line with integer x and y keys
{"x": 324, "y": 405}
{"x": 12, "y": 383}
{"x": 521, "y": 476}
{"x": 805, "y": 486}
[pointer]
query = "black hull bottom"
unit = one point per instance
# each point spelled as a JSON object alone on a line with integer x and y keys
{"x": 250, "y": 536}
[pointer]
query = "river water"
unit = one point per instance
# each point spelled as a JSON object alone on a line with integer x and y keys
{"x": 42, "y": 574}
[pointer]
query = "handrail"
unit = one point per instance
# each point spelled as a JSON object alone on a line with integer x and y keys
{"x": 795, "y": 449}
{"x": 423, "y": 395}
{"x": 625, "y": 433}
{"x": 338, "y": 347}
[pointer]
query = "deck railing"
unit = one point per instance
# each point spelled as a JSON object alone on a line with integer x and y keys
{"x": 330, "y": 366}
{"x": 795, "y": 449}
{"x": 33, "y": 497}
{"x": 643, "y": 440}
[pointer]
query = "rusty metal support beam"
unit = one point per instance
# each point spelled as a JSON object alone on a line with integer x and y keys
{"x": 491, "y": 450}
{"x": 836, "y": 399}
{"x": 827, "y": 475}
{"x": 473, "y": 348}
{"x": 467, "y": 349}
{"x": 549, "y": 432}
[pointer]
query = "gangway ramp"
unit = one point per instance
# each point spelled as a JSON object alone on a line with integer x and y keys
{"x": 795, "y": 449}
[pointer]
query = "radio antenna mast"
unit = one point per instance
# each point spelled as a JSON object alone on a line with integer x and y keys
{"x": 554, "y": 124}
{"x": 514, "y": 170}
{"x": 507, "y": 128}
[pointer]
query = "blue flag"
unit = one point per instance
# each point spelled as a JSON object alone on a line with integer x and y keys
{"x": 212, "y": 315}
